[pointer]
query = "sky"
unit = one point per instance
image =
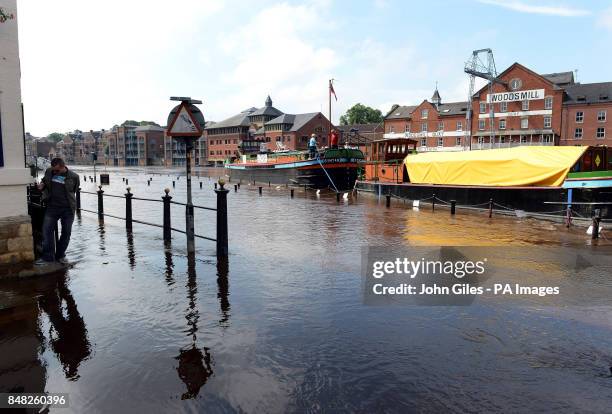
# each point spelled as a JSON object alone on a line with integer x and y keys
{"x": 93, "y": 64}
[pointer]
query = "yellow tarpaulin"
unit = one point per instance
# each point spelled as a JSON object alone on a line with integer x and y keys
{"x": 518, "y": 166}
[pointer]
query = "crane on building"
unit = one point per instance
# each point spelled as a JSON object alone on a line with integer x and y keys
{"x": 482, "y": 65}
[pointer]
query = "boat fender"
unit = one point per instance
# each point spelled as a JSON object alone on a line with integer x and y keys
{"x": 345, "y": 196}
{"x": 416, "y": 203}
{"x": 590, "y": 230}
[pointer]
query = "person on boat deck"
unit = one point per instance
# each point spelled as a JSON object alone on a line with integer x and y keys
{"x": 334, "y": 138}
{"x": 312, "y": 146}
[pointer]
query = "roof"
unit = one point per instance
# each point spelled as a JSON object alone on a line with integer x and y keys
{"x": 588, "y": 93}
{"x": 241, "y": 119}
{"x": 283, "y": 119}
{"x": 452, "y": 108}
{"x": 145, "y": 128}
{"x": 267, "y": 110}
{"x": 401, "y": 112}
{"x": 560, "y": 78}
{"x": 297, "y": 121}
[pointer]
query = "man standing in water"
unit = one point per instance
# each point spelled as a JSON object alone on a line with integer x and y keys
{"x": 59, "y": 186}
{"x": 312, "y": 146}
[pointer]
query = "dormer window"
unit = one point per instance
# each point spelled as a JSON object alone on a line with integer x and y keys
{"x": 581, "y": 98}
{"x": 424, "y": 113}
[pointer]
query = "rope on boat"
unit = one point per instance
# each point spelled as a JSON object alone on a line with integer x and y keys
{"x": 328, "y": 177}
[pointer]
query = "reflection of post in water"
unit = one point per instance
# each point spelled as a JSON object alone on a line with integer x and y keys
{"x": 223, "y": 290}
{"x": 169, "y": 264}
{"x": 195, "y": 365}
{"x": 102, "y": 233}
{"x": 130, "y": 247}
{"x": 68, "y": 334}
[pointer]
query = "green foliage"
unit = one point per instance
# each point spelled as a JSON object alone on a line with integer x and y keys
{"x": 361, "y": 114}
{"x": 55, "y": 136}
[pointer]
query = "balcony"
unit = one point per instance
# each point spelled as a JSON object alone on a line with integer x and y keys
{"x": 487, "y": 145}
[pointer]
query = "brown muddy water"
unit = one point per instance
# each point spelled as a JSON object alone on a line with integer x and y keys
{"x": 282, "y": 327}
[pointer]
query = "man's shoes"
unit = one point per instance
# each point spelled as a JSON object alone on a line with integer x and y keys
{"x": 42, "y": 262}
{"x": 63, "y": 260}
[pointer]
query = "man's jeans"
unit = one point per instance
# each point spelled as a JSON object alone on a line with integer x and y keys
{"x": 52, "y": 215}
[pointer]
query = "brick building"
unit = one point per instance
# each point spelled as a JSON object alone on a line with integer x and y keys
{"x": 150, "y": 139}
{"x": 526, "y": 108}
{"x": 436, "y": 125}
{"x": 361, "y": 135}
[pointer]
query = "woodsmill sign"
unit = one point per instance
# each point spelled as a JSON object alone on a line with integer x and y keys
{"x": 529, "y": 95}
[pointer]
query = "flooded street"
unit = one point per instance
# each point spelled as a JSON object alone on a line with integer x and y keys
{"x": 282, "y": 327}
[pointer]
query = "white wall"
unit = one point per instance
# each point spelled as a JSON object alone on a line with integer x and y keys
{"x": 13, "y": 175}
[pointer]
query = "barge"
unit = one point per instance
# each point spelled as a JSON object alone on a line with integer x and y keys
{"x": 334, "y": 168}
{"x": 548, "y": 180}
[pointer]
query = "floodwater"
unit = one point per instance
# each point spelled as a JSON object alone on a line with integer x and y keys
{"x": 282, "y": 326}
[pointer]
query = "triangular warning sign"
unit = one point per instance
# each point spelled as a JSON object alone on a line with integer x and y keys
{"x": 183, "y": 124}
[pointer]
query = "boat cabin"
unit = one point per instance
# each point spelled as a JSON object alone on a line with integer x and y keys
{"x": 386, "y": 161}
{"x": 594, "y": 159}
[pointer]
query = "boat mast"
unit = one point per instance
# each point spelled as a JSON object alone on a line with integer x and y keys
{"x": 329, "y": 90}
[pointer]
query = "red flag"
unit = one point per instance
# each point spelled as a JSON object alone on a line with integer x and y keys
{"x": 331, "y": 90}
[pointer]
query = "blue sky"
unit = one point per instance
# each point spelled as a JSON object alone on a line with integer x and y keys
{"x": 89, "y": 65}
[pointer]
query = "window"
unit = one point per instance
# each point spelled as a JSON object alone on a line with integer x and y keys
{"x": 423, "y": 142}
{"x": 601, "y": 132}
{"x": 391, "y": 128}
{"x": 459, "y": 126}
{"x": 548, "y": 102}
{"x": 503, "y": 107}
{"x": 525, "y": 105}
{"x": 407, "y": 128}
{"x": 523, "y": 139}
{"x": 502, "y": 124}
{"x": 578, "y": 133}
{"x": 502, "y": 140}
{"x": 480, "y": 140}
{"x": 424, "y": 113}
{"x": 424, "y": 127}
{"x": 440, "y": 126}
{"x": 440, "y": 141}
{"x": 547, "y": 122}
{"x": 481, "y": 124}
{"x": 601, "y": 116}
{"x": 483, "y": 108}
{"x": 579, "y": 116}
{"x": 458, "y": 141}
{"x": 547, "y": 139}
{"x": 524, "y": 123}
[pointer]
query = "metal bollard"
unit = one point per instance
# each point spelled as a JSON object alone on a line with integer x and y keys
{"x": 595, "y": 224}
{"x": 338, "y": 197}
{"x": 149, "y": 183}
{"x": 490, "y": 207}
{"x": 388, "y": 202}
{"x": 167, "y": 223}
{"x": 292, "y": 193}
{"x": 128, "y": 209}
{"x": 127, "y": 181}
{"x": 200, "y": 185}
{"x": 269, "y": 184}
{"x": 235, "y": 188}
{"x": 100, "y": 203}
{"x": 433, "y": 203}
{"x": 222, "y": 249}
{"x": 173, "y": 184}
{"x": 215, "y": 186}
{"x": 260, "y": 188}
{"x": 453, "y": 204}
{"x": 239, "y": 185}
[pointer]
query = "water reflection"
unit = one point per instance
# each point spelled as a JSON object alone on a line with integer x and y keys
{"x": 195, "y": 365}
{"x": 223, "y": 291}
{"x": 169, "y": 264}
{"x": 102, "y": 234}
{"x": 67, "y": 331}
{"x": 130, "y": 248}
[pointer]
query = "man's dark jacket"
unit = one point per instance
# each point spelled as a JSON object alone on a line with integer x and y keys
{"x": 72, "y": 182}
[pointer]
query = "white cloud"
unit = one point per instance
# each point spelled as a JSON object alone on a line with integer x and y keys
{"x": 530, "y": 7}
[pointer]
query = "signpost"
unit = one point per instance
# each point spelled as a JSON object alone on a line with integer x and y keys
{"x": 186, "y": 124}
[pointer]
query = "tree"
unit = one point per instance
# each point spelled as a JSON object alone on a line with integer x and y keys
{"x": 138, "y": 123}
{"x": 361, "y": 114}
{"x": 55, "y": 136}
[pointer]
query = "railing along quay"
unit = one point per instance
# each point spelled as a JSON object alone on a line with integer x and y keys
{"x": 221, "y": 238}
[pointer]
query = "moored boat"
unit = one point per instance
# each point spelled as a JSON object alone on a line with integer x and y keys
{"x": 534, "y": 179}
{"x": 334, "y": 168}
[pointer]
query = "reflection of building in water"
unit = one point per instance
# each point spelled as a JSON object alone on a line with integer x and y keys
{"x": 22, "y": 341}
